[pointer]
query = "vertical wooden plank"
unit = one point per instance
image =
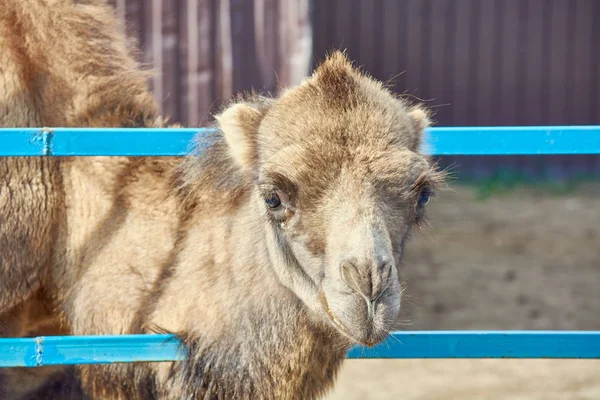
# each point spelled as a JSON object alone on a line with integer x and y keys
{"x": 331, "y": 23}
{"x": 559, "y": 62}
{"x": 532, "y": 79}
{"x": 449, "y": 55}
{"x": 305, "y": 40}
{"x": 506, "y": 112}
{"x": 286, "y": 27}
{"x": 496, "y": 76}
{"x": 485, "y": 66}
{"x": 571, "y": 17}
{"x": 192, "y": 108}
{"x": 378, "y": 35}
{"x": 251, "y": 75}
{"x": 154, "y": 26}
{"x": 579, "y": 91}
{"x": 243, "y": 44}
{"x": 182, "y": 78}
{"x": 414, "y": 22}
{"x": 520, "y": 102}
{"x": 200, "y": 61}
{"x": 170, "y": 57}
{"x": 547, "y": 9}
{"x": 462, "y": 102}
{"x": 473, "y": 69}
{"x": 270, "y": 40}
{"x": 426, "y": 42}
{"x": 293, "y": 60}
{"x": 366, "y": 38}
{"x": 237, "y": 38}
{"x": 344, "y": 28}
{"x": 439, "y": 56}
{"x": 339, "y": 22}
{"x": 394, "y": 44}
{"x": 319, "y": 29}
{"x": 222, "y": 50}
{"x": 594, "y": 105}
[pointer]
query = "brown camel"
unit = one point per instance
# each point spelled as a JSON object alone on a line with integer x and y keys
{"x": 269, "y": 252}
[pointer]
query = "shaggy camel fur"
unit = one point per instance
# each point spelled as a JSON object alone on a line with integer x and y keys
{"x": 269, "y": 252}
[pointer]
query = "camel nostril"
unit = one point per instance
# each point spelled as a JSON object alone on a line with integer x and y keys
{"x": 359, "y": 278}
{"x": 384, "y": 280}
{"x": 350, "y": 275}
{"x": 387, "y": 273}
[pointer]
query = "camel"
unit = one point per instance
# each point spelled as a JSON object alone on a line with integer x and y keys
{"x": 269, "y": 251}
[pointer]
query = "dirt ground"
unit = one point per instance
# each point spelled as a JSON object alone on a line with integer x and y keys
{"x": 525, "y": 259}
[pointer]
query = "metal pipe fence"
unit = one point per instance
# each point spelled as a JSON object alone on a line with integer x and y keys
{"x": 492, "y": 140}
{"x": 102, "y": 349}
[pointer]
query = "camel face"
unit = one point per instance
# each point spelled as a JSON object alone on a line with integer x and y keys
{"x": 341, "y": 182}
{"x": 348, "y": 238}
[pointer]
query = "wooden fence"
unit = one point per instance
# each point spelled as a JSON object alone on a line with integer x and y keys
{"x": 476, "y": 62}
{"x": 206, "y": 50}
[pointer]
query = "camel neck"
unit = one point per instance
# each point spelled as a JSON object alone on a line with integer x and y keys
{"x": 246, "y": 333}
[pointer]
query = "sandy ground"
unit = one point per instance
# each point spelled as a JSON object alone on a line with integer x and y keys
{"x": 526, "y": 259}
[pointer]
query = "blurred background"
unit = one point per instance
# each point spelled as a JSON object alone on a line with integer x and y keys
{"x": 516, "y": 243}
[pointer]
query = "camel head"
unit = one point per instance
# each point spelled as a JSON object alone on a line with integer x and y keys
{"x": 339, "y": 180}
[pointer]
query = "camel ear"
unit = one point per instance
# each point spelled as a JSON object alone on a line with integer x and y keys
{"x": 419, "y": 120}
{"x": 239, "y": 124}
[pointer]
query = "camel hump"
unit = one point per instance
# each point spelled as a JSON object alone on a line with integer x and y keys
{"x": 69, "y": 63}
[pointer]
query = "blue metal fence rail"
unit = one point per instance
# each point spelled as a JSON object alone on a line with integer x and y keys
{"x": 509, "y": 140}
{"x": 52, "y": 350}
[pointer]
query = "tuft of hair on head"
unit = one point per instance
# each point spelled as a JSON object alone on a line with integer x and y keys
{"x": 344, "y": 85}
{"x": 337, "y": 78}
{"x": 335, "y": 63}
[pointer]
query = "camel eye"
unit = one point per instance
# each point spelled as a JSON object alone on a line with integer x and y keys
{"x": 424, "y": 197}
{"x": 273, "y": 200}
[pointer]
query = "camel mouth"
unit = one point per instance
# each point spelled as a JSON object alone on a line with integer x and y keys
{"x": 344, "y": 331}
{"x": 341, "y": 328}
